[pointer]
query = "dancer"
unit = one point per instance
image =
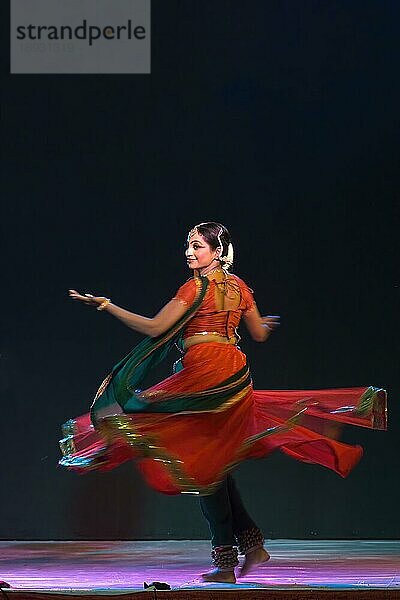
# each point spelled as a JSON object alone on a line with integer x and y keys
{"x": 189, "y": 431}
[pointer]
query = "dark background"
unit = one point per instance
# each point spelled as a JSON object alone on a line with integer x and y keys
{"x": 279, "y": 119}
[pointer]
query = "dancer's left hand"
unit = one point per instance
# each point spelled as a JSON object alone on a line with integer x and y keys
{"x": 88, "y": 299}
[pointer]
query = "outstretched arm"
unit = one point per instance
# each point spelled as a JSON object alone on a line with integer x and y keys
{"x": 260, "y": 328}
{"x": 152, "y": 326}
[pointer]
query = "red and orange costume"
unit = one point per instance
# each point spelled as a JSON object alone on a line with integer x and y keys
{"x": 188, "y": 431}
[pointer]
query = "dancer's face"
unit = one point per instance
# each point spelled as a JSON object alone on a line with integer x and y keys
{"x": 199, "y": 254}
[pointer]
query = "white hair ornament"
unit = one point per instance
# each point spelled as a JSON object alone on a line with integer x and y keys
{"x": 227, "y": 259}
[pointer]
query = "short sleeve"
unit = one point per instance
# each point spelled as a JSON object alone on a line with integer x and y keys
{"x": 247, "y": 302}
{"x": 186, "y": 293}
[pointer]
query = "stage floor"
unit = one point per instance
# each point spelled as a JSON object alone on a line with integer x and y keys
{"x": 121, "y": 566}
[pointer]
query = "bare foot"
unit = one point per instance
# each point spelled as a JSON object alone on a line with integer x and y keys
{"x": 218, "y": 576}
{"x": 253, "y": 559}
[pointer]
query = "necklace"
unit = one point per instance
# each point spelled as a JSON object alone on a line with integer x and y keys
{"x": 211, "y": 271}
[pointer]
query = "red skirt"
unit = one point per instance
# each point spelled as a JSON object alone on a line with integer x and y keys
{"x": 191, "y": 452}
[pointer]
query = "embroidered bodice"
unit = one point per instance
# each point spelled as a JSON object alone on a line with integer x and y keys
{"x": 226, "y": 299}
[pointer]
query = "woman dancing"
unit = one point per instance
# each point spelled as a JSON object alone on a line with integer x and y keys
{"x": 189, "y": 431}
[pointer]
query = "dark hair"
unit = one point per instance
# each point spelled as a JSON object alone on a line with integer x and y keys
{"x": 213, "y": 233}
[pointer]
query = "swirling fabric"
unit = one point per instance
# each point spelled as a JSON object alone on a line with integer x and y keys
{"x": 187, "y": 431}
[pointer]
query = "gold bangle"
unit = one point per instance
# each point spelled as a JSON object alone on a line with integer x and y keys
{"x": 104, "y": 304}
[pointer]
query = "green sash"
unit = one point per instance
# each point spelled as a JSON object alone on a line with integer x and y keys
{"x": 122, "y": 386}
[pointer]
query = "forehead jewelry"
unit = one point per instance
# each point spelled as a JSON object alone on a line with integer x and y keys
{"x": 195, "y": 231}
{"x": 192, "y": 232}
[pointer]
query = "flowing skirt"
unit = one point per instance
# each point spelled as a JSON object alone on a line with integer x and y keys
{"x": 191, "y": 448}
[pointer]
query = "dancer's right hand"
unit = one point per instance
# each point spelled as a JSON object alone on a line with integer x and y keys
{"x": 271, "y": 322}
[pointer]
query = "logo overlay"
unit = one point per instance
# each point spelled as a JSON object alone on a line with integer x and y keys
{"x": 80, "y": 36}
